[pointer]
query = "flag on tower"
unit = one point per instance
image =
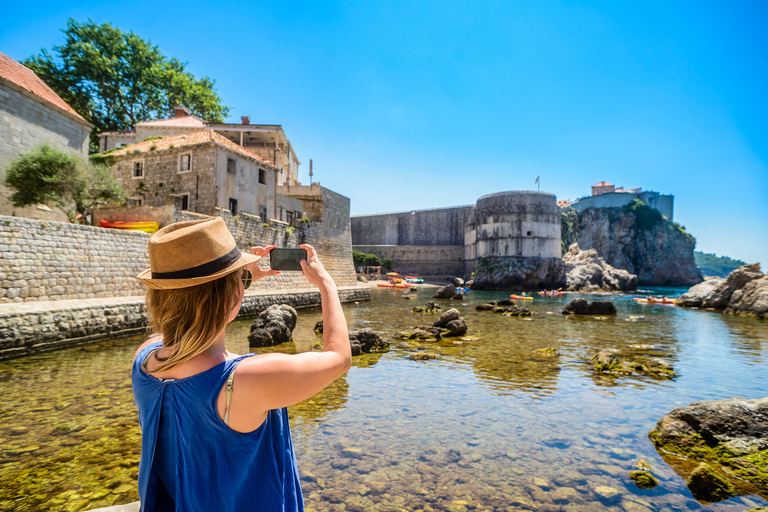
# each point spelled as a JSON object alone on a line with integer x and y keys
{"x": 537, "y": 179}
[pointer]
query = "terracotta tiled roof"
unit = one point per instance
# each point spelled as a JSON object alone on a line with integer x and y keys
{"x": 23, "y": 77}
{"x": 603, "y": 184}
{"x": 175, "y": 122}
{"x": 183, "y": 140}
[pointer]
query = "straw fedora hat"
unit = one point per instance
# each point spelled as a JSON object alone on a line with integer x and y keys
{"x": 193, "y": 252}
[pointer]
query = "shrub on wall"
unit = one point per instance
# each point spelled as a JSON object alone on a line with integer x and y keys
{"x": 366, "y": 260}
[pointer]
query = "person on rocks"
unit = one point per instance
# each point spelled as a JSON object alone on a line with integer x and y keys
{"x": 215, "y": 432}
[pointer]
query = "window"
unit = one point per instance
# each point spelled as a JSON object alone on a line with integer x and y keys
{"x": 231, "y": 166}
{"x": 185, "y": 162}
{"x": 262, "y": 176}
{"x": 135, "y": 201}
{"x": 263, "y": 213}
{"x": 289, "y": 217}
{"x": 530, "y": 233}
{"x": 233, "y": 206}
{"x": 138, "y": 169}
{"x": 182, "y": 202}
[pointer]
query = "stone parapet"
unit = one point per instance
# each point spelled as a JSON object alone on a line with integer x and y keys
{"x": 33, "y": 327}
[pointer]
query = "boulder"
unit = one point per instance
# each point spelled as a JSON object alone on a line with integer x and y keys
{"x": 582, "y": 307}
{"x": 732, "y": 433}
{"x": 743, "y": 292}
{"x": 606, "y": 361}
{"x": 643, "y": 479}
{"x": 484, "y": 307}
{"x": 751, "y": 300}
{"x": 588, "y": 272}
{"x": 458, "y": 296}
{"x": 421, "y": 333}
{"x": 273, "y": 326}
{"x": 456, "y": 281}
{"x": 362, "y": 278}
{"x": 319, "y": 327}
{"x": 451, "y": 314}
{"x": 456, "y": 327}
{"x": 429, "y": 307}
{"x": 695, "y": 297}
{"x": 446, "y": 292}
{"x": 366, "y": 341}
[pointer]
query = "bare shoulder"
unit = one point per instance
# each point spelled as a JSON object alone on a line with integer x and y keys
{"x": 151, "y": 340}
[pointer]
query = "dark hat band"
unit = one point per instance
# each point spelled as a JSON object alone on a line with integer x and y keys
{"x": 204, "y": 270}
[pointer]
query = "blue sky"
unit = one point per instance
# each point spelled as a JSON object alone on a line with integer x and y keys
{"x": 409, "y": 105}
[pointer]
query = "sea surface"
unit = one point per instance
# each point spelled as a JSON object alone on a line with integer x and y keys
{"x": 489, "y": 425}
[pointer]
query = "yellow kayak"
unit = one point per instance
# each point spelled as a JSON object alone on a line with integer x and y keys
{"x": 520, "y": 297}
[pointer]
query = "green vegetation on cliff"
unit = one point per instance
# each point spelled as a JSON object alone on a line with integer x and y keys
{"x": 366, "y": 260}
{"x": 718, "y": 266}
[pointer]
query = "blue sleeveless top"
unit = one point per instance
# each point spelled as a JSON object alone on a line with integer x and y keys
{"x": 192, "y": 461}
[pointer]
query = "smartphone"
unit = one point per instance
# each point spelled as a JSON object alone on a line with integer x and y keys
{"x": 286, "y": 259}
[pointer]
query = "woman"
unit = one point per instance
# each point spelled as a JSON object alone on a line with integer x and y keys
{"x": 215, "y": 432}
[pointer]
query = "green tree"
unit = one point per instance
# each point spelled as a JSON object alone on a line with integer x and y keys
{"x": 115, "y": 79}
{"x": 46, "y": 174}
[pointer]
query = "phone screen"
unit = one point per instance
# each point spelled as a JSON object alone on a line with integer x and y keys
{"x": 286, "y": 259}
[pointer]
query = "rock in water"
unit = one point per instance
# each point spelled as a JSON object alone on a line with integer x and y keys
{"x": 695, "y": 297}
{"x": 732, "y": 433}
{"x": 365, "y": 340}
{"x": 451, "y": 314}
{"x": 743, "y": 292}
{"x": 586, "y": 271}
{"x": 708, "y": 485}
{"x": 446, "y": 292}
{"x": 273, "y": 326}
{"x": 582, "y": 307}
{"x": 643, "y": 479}
{"x": 452, "y": 321}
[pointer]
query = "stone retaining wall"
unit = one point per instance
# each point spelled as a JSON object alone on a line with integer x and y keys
{"x": 49, "y": 261}
{"x": 30, "y": 328}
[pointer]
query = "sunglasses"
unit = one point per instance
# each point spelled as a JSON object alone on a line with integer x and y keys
{"x": 247, "y": 278}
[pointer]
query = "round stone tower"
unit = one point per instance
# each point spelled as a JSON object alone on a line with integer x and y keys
{"x": 517, "y": 224}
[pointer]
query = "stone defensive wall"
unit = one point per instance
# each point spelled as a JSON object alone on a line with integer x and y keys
{"x": 421, "y": 260}
{"x": 450, "y": 241}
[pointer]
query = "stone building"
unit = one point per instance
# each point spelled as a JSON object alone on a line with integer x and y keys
{"x": 451, "y": 241}
{"x": 617, "y": 198}
{"x": 199, "y": 171}
{"x": 268, "y": 142}
{"x": 32, "y": 114}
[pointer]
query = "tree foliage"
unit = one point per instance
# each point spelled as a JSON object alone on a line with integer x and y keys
{"x": 115, "y": 79}
{"x": 366, "y": 260}
{"x": 46, "y": 174}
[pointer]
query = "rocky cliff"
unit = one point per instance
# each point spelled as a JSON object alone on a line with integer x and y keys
{"x": 743, "y": 292}
{"x": 638, "y": 239}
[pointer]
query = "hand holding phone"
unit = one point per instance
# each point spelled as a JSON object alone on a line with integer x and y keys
{"x": 286, "y": 259}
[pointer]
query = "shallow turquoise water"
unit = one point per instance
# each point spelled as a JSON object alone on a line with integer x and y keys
{"x": 489, "y": 425}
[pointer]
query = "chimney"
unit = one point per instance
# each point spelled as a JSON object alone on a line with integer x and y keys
{"x": 179, "y": 111}
{"x": 246, "y": 119}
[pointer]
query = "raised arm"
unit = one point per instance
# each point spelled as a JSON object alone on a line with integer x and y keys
{"x": 272, "y": 381}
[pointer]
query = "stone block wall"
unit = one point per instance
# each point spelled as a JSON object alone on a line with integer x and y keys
{"x": 25, "y": 123}
{"x": 421, "y": 260}
{"x": 43, "y": 261}
{"x": 437, "y": 226}
{"x": 48, "y": 261}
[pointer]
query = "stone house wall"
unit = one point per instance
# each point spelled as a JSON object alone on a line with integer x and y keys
{"x": 26, "y": 122}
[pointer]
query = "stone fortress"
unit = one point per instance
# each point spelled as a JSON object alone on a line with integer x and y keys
{"x": 452, "y": 241}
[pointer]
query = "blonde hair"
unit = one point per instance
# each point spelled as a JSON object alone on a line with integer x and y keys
{"x": 191, "y": 319}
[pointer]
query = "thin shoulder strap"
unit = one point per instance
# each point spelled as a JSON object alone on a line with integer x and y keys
{"x": 229, "y": 393}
